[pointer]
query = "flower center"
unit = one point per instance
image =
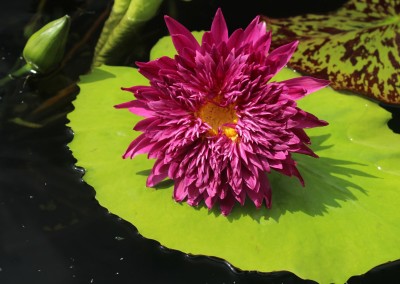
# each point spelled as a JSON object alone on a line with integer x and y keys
{"x": 220, "y": 119}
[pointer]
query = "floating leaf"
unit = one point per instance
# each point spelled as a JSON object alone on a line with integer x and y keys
{"x": 343, "y": 223}
{"x": 357, "y": 47}
{"x": 124, "y": 22}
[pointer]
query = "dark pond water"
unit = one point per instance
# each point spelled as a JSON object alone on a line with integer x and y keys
{"x": 52, "y": 230}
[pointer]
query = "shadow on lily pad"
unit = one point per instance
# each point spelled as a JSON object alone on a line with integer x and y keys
{"x": 328, "y": 182}
{"x": 165, "y": 184}
{"x": 97, "y": 75}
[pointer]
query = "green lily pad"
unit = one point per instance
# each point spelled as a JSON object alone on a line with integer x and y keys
{"x": 344, "y": 222}
{"x": 356, "y": 47}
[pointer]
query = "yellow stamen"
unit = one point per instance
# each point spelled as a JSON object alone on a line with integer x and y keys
{"x": 216, "y": 117}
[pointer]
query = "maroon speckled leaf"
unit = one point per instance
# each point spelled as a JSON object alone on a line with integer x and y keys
{"x": 357, "y": 47}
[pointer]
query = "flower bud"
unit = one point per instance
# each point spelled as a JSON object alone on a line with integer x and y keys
{"x": 45, "y": 48}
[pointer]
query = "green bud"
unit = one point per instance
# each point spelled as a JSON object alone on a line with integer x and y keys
{"x": 45, "y": 48}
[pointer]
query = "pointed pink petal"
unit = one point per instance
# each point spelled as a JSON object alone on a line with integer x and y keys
{"x": 302, "y": 86}
{"x": 289, "y": 169}
{"x": 297, "y": 174}
{"x": 210, "y": 201}
{"x": 140, "y": 145}
{"x": 125, "y": 105}
{"x": 306, "y": 151}
{"x": 144, "y": 93}
{"x": 219, "y": 30}
{"x": 251, "y": 30}
{"x": 241, "y": 197}
{"x": 302, "y": 135}
{"x": 153, "y": 179}
{"x": 263, "y": 43}
{"x": 305, "y": 120}
{"x": 265, "y": 189}
{"x": 155, "y": 150}
{"x": 207, "y": 41}
{"x": 226, "y": 204}
{"x": 256, "y": 197}
{"x": 212, "y": 189}
{"x": 194, "y": 201}
{"x": 223, "y": 190}
{"x": 180, "y": 190}
{"x": 149, "y": 69}
{"x": 137, "y": 107}
{"x": 264, "y": 162}
{"x": 234, "y": 39}
{"x": 249, "y": 179}
{"x": 176, "y": 28}
{"x": 182, "y": 45}
{"x": 173, "y": 170}
{"x": 279, "y": 57}
{"x": 143, "y": 124}
{"x": 254, "y": 31}
{"x": 193, "y": 195}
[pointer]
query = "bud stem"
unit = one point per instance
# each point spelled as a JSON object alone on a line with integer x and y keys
{"x": 16, "y": 74}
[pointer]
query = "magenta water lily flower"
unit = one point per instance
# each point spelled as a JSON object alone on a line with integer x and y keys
{"x": 214, "y": 122}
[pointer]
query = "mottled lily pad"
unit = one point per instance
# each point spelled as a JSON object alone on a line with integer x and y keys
{"x": 343, "y": 223}
{"x": 357, "y": 47}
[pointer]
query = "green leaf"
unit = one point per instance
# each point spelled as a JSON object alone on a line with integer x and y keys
{"x": 126, "y": 19}
{"x": 357, "y": 47}
{"x": 344, "y": 222}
